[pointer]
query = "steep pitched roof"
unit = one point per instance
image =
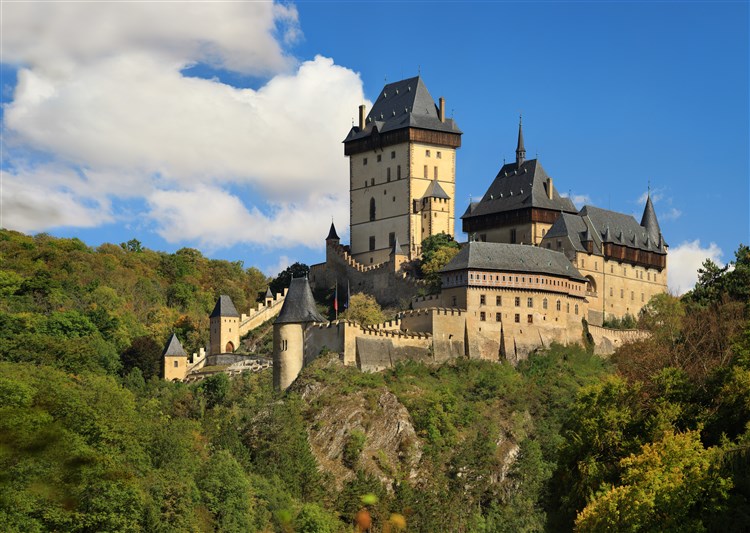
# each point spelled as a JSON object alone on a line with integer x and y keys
{"x": 435, "y": 190}
{"x": 397, "y": 250}
{"x": 299, "y": 304}
{"x": 518, "y": 187}
{"x": 403, "y": 104}
{"x": 269, "y": 294}
{"x": 512, "y": 258}
{"x": 332, "y": 233}
{"x": 224, "y": 307}
{"x": 649, "y": 220}
{"x": 603, "y": 226}
{"x": 174, "y": 348}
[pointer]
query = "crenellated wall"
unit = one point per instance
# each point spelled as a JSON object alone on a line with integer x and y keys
{"x": 263, "y": 312}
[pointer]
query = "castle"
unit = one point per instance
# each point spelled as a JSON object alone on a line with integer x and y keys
{"x": 533, "y": 269}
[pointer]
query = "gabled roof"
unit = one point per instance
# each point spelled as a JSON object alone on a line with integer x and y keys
{"x": 512, "y": 258}
{"x": 403, "y": 104}
{"x": 518, "y": 187}
{"x": 332, "y": 233}
{"x": 224, "y": 307}
{"x": 174, "y": 348}
{"x": 299, "y": 304}
{"x": 603, "y": 226}
{"x": 435, "y": 190}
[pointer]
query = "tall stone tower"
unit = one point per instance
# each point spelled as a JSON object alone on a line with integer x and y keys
{"x": 404, "y": 148}
{"x": 297, "y": 313}
{"x": 225, "y": 326}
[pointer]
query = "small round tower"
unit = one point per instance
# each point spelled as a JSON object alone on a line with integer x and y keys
{"x": 297, "y": 313}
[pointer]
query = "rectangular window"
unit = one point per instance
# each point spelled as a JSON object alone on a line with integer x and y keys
{"x": 498, "y": 317}
{"x": 611, "y": 291}
{"x": 379, "y": 158}
{"x": 517, "y": 318}
{"x": 482, "y": 299}
{"x": 388, "y": 173}
{"x": 529, "y": 319}
{"x": 372, "y": 181}
{"x": 176, "y": 364}
{"x": 439, "y": 155}
{"x": 632, "y": 296}
{"x": 454, "y": 301}
{"x": 482, "y": 316}
{"x": 398, "y": 172}
{"x": 427, "y": 153}
{"x": 391, "y": 239}
{"x": 498, "y": 300}
{"x": 436, "y": 173}
{"x": 364, "y": 161}
{"x": 518, "y": 301}
{"x": 622, "y": 293}
{"x": 425, "y": 171}
{"x": 393, "y": 155}
{"x": 513, "y": 236}
{"x": 642, "y": 298}
{"x": 529, "y": 302}
{"x": 372, "y": 242}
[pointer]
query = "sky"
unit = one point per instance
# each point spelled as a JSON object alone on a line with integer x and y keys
{"x": 218, "y": 125}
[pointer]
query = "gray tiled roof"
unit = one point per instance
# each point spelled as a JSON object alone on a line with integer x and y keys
{"x": 397, "y": 250}
{"x": 299, "y": 304}
{"x": 435, "y": 190}
{"x": 512, "y": 258}
{"x": 224, "y": 307}
{"x": 403, "y": 104}
{"x": 269, "y": 294}
{"x": 518, "y": 187}
{"x": 174, "y": 348}
{"x": 604, "y": 226}
{"x": 649, "y": 220}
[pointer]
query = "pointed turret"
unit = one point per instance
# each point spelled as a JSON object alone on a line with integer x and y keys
{"x": 332, "y": 235}
{"x": 396, "y": 250}
{"x": 649, "y": 220}
{"x": 520, "y": 149}
{"x": 174, "y": 348}
{"x": 269, "y": 294}
{"x": 299, "y": 304}
{"x": 224, "y": 307}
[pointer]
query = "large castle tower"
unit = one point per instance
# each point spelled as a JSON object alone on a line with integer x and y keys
{"x": 225, "y": 327}
{"x": 402, "y": 169}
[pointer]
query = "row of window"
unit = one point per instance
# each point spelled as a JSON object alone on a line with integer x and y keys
{"x": 622, "y": 294}
{"x": 517, "y": 316}
{"x": 391, "y": 240}
{"x": 438, "y": 154}
{"x": 517, "y": 302}
{"x": 426, "y": 172}
{"x": 387, "y": 176}
{"x": 544, "y": 281}
{"x": 379, "y": 158}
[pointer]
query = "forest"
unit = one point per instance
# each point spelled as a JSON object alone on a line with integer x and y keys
{"x": 653, "y": 438}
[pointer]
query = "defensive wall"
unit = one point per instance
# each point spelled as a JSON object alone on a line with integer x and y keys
{"x": 607, "y": 340}
{"x": 385, "y": 281}
{"x": 263, "y": 312}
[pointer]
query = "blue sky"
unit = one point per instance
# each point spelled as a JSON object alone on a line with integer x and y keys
{"x": 219, "y": 127}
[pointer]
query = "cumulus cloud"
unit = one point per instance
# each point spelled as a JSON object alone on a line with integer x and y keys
{"x": 112, "y": 108}
{"x": 656, "y": 196}
{"x": 684, "y": 262}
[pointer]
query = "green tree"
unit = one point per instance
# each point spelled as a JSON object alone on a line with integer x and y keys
{"x": 364, "y": 309}
{"x": 671, "y": 485}
{"x": 227, "y": 493}
{"x": 284, "y": 278}
{"x": 143, "y": 353}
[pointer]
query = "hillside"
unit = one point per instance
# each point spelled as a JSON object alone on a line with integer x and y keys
{"x": 655, "y": 438}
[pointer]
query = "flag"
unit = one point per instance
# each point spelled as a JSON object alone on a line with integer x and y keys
{"x": 348, "y": 295}
{"x": 336, "y": 298}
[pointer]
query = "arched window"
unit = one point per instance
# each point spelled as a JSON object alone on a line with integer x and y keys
{"x": 230, "y": 347}
{"x": 590, "y": 285}
{"x": 544, "y": 303}
{"x": 558, "y": 305}
{"x": 372, "y": 209}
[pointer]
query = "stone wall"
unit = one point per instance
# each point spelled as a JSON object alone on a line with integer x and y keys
{"x": 607, "y": 340}
{"x": 263, "y": 312}
{"x": 381, "y": 281}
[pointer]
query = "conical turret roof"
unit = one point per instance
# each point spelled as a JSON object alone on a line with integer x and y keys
{"x": 520, "y": 148}
{"x": 397, "y": 250}
{"x": 174, "y": 348}
{"x": 269, "y": 294}
{"x": 299, "y": 304}
{"x": 649, "y": 220}
{"x": 224, "y": 307}
{"x": 332, "y": 233}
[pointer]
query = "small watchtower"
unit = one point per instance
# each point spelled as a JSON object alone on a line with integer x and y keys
{"x": 225, "y": 327}
{"x": 175, "y": 360}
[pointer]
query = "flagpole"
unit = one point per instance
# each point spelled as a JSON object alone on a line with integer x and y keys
{"x": 336, "y": 299}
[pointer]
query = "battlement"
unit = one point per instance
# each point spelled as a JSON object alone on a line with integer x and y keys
{"x": 265, "y": 310}
{"x": 369, "y": 331}
{"x": 447, "y": 311}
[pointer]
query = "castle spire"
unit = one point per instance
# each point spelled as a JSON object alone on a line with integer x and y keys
{"x": 520, "y": 149}
{"x": 649, "y": 220}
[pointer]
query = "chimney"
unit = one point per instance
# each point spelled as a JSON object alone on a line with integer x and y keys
{"x": 442, "y": 109}
{"x": 362, "y": 117}
{"x": 549, "y": 188}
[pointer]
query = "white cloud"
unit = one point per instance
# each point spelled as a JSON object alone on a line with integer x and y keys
{"x": 672, "y": 214}
{"x": 579, "y": 200}
{"x": 103, "y": 95}
{"x": 656, "y": 196}
{"x": 275, "y": 270}
{"x": 685, "y": 260}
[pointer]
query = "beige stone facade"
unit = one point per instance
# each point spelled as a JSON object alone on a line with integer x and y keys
{"x": 224, "y": 334}
{"x": 386, "y": 191}
{"x": 175, "y": 367}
